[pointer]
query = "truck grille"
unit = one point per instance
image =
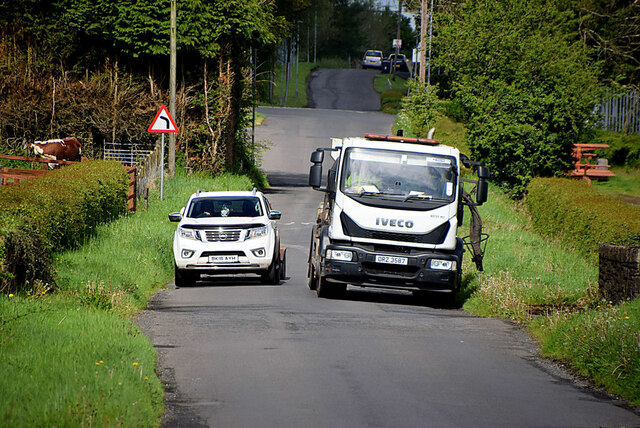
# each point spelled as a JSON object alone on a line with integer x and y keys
{"x": 378, "y": 269}
{"x": 350, "y": 228}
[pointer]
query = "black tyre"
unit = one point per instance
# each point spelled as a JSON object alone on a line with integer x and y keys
{"x": 272, "y": 276}
{"x": 313, "y": 280}
{"x": 185, "y": 278}
{"x": 326, "y": 289}
{"x": 283, "y": 266}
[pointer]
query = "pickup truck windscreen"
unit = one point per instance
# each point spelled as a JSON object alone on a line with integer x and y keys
{"x": 225, "y": 207}
{"x": 398, "y": 177}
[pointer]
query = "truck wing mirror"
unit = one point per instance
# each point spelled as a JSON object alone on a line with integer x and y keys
{"x": 315, "y": 174}
{"x": 482, "y": 191}
{"x": 317, "y": 156}
{"x": 483, "y": 172}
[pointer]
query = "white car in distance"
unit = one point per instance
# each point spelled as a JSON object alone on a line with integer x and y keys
{"x": 227, "y": 233}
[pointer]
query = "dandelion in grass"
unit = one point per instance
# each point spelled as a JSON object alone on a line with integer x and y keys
{"x": 135, "y": 363}
{"x": 10, "y": 295}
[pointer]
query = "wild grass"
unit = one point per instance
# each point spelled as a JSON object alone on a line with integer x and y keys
{"x": 602, "y": 343}
{"x": 64, "y": 365}
{"x": 625, "y": 185}
{"x": 73, "y": 357}
{"x": 543, "y": 284}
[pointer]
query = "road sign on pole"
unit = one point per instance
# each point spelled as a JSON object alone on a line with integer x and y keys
{"x": 163, "y": 122}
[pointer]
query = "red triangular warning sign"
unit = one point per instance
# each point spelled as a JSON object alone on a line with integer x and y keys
{"x": 163, "y": 122}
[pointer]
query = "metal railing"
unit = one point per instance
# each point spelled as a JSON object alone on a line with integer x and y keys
{"x": 621, "y": 112}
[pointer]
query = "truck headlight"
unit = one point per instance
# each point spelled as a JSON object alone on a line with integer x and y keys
{"x": 438, "y": 264}
{"x": 189, "y": 233}
{"x": 345, "y": 256}
{"x": 256, "y": 232}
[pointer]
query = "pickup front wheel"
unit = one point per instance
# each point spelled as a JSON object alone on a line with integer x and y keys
{"x": 185, "y": 278}
{"x": 272, "y": 276}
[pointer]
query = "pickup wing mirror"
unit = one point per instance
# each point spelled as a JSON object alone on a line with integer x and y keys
{"x": 175, "y": 217}
{"x": 275, "y": 215}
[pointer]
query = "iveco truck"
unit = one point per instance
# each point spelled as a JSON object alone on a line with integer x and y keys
{"x": 391, "y": 214}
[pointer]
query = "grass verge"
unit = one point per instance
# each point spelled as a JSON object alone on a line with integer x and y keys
{"x": 544, "y": 285}
{"x": 74, "y": 358}
{"x": 296, "y": 95}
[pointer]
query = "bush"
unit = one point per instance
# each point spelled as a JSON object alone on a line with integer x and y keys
{"x": 624, "y": 150}
{"x": 419, "y": 107}
{"x": 579, "y": 214}
{"x": 54, "y": 212}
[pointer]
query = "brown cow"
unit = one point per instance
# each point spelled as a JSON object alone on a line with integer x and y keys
{"x": 60, "y": 149}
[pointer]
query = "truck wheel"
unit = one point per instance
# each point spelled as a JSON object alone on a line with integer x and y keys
{"x": 321, "y": 287}
{"x": 326, "y": 289}
{"x": 184, "y": 278}
{"x": 313, "y": 280}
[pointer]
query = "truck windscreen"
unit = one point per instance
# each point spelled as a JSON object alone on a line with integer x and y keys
{"x": 402, "y": 176}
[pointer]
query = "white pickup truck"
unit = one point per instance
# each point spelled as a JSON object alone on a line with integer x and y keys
{"x": 227, "y": 232}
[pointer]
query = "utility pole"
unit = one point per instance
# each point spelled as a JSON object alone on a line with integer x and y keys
{"x": 423, "y": 45}
{"x": 172, "y": 89}
{"x": 395, "y": 59}
{"x": 430, "y": 32}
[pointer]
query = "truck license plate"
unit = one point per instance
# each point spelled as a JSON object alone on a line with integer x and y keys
{"x": 392, "y": 260}
{"x": 223, "y": 259}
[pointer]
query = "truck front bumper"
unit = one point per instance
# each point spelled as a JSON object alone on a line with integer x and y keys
{"x": 417, "y": 274}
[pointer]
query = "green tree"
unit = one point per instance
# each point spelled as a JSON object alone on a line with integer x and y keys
{"x": 527, "y": 84}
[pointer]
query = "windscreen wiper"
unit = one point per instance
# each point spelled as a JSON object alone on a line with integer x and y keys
{"x": 418, "y": 196}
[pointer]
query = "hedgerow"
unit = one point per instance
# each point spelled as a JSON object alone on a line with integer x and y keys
{"x": 54, "y": 212}
{"x": 579, "y": 214}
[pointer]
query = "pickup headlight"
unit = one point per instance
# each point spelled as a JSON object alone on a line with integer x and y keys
{"x": 345, "y": 256}
{"x": 256, "y": 232}
{"x": 189, "y": 233}
{"x": 438, "y": 264}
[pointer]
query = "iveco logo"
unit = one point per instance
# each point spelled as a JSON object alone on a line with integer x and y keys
{"x": 393, "y": 222}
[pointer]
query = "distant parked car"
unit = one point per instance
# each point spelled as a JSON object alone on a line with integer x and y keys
{"x": 399, "y": 62}
{"x": 372, "y": 59}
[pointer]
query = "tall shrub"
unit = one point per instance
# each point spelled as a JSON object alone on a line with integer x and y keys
{"x": 528, "y": 86}
{"x": 50, "y": 213}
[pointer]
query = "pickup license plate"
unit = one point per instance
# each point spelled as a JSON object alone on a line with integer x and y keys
{"x": 223, "y": 259}
{"x": 392, "y": 260}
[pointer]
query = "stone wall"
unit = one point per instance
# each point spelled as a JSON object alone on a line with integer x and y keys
{"x": 619, "y": 276}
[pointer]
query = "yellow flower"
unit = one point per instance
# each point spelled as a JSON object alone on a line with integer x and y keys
{"x": 101, "y": 361}
{"x": 135, "y": 364}
{"x": 146, "y": 378}
{"x": 626, "y": 318}
{"x": 10, "y": 295}
{"x": 97, "y": 364}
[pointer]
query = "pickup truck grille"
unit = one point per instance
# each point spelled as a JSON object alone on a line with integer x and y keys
{"x": 223, "y": 235}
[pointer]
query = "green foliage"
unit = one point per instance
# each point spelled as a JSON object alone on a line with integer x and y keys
{"x": 579, "y": 214}
{"x": 601, "y": 343}
{"x": 527, "y": 86}
{"x": 624, "y": 150}
{"x": 420, "y": 108}
{"x": 68, "y": 366}
{"x": 58, "y": 210}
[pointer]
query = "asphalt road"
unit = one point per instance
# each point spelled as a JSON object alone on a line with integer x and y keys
{"x": 235, "y": 353}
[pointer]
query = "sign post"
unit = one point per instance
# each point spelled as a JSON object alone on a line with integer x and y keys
{"x": 163, "y": 123}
